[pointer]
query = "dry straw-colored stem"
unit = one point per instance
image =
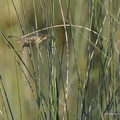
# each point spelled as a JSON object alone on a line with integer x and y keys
{"x": 67, "y": 25}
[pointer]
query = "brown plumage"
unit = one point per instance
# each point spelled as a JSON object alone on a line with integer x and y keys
{"x": 30, "y": 40}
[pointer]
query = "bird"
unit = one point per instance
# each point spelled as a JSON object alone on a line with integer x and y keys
{"x": 30, "y": 41}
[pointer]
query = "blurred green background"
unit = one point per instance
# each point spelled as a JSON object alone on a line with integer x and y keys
{"x": 100, "y": 16}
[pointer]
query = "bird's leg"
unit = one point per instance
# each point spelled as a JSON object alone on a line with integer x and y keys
{"x": 22, "y": 49}
{"x": 40, "y": 47}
